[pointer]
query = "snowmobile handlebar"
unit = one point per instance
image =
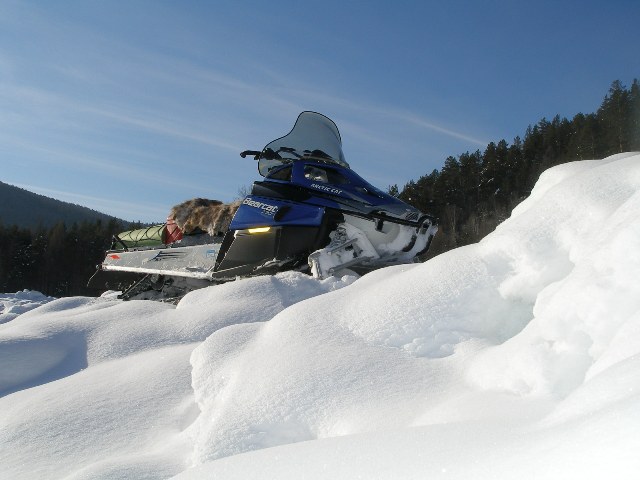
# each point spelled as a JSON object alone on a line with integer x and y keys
{"x": 255, "y": 154}
{"x": 269, "y": 154}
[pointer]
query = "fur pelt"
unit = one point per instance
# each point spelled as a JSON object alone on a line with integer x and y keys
{"x": 211, "y": 216}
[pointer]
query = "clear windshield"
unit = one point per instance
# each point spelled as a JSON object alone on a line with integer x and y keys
{"x": 313, "y": 137}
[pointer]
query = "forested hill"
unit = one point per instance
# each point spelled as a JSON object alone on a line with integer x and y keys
{"x": 29, "y": 210}
{"x": 475, "y": 191}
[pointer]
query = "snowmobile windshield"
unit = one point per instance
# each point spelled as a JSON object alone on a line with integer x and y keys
{"x": 313, "y": 137}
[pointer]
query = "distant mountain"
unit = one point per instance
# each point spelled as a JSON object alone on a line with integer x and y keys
{"x": 30, "y": 210}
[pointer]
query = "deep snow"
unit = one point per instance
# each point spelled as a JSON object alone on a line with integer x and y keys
{"x": 517, "y": 357}
{"x": 14, "y": 304}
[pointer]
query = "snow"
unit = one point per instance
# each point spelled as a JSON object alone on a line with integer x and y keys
{"x": 517, "y": 357}
{"x": 13, "y": 304}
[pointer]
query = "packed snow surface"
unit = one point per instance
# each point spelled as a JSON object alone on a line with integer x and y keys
{"x": 517, "y": 357}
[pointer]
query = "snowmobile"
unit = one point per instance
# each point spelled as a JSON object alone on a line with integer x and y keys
{"x": 310, "y": 213}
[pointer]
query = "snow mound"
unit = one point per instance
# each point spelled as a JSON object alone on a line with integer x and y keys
{"x": 14, "y": 304}
{"x": 100, "y": 388}
{"x": 522, "y": 320}
{"x": 517, "y": 357}
{"x": 581, "y": 268}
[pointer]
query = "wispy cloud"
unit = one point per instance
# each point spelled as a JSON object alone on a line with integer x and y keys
{"x": 423, "y": 123}
{"x": 59, "y": 157}
{"x": 163, "y": 128}
{"x": 366, "y": 108}
{"x": 66, "y": 108}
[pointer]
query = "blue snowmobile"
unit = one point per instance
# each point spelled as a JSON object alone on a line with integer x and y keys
{"x": 310, "y": 213}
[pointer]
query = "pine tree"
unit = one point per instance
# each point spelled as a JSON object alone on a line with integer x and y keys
{"x": 634, "y": 116}
{"x": 615, "y": 115}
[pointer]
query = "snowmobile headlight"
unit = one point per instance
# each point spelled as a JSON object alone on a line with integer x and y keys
{"x": 259, "y": 230}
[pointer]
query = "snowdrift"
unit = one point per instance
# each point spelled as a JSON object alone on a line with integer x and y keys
{"x": 14, "y": 304}
{"x": 517, "y": 357}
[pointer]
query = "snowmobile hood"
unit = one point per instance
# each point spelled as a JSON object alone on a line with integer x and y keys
{"x": 314, "y": 137}
{"x": 320, "y": 184}
{"x": 308, "y": 165}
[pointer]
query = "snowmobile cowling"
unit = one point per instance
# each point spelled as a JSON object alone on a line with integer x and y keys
{"x": 311, "y": 212}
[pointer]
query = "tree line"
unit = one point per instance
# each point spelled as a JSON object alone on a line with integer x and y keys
{"x": 471, "y": 194}
{"x": 475, "y": 191}
{"x": 56, "y": 261}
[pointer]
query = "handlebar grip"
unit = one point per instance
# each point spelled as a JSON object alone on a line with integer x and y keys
{"x": 255, "y": 153}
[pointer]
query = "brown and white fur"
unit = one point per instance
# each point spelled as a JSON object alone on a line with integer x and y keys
{"x": 211, "y": 216}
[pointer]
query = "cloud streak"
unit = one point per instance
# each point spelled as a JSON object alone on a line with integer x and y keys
{"x": 365, "y": 108}
{"x": 420, "y": 122}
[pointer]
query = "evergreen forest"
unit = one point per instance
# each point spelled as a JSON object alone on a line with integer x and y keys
{"x": 475, "y": 191}
{"x": 470, "y": 195}
{"x": 56, "y": 261}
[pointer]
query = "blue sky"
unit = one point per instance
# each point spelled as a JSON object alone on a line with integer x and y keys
{"x": 130, "y": 107}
